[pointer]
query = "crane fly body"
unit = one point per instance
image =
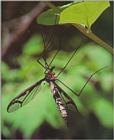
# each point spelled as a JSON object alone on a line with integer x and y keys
{"x": 50, "y": 78}
{"x": 50, "y": 75}
{"x": 62, "y": 99}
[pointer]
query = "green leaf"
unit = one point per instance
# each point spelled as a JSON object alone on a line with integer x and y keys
{"x": 43, "y": 108}
{"x": 104, "y": 111}
{"x": 105, "y": 57}
{"x": 48, "y": 17}
{"x": 107, "y": 81}
{"x": 4, "y": 70}
{"x": 34, "y": 45}
{"x": 51, "y": 17}
{"x": 84, "y": 13}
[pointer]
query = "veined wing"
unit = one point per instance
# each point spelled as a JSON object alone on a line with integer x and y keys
{"x": 48, "y": 39}
{"x": 25, "y": 97}
{"x": 64, "y": 94}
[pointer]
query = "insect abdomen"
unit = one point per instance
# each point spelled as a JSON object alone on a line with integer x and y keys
{"x": 59, "y": 101}
{"x": 61, "y": 107}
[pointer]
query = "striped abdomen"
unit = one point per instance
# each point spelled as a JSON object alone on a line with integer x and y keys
{"x": 58, "y": 101}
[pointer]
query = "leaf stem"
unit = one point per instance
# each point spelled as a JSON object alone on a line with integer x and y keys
{"x": 94, "y": 37}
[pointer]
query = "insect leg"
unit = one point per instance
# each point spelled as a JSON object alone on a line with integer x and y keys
{"x": 78, "y": 94}
{"x": 90, "y": 78}
{"x": 54, "y": 56}
{"x": 38, "y": 60}
{"x": 67, "y": 62}
{"x": 68, "y": 87}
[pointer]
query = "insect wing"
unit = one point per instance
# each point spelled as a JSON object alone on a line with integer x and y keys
{"x": 25, "y": 97}
{"x": 65, "y": 95}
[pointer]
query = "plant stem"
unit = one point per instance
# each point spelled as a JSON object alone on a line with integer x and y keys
{"x": 94, "y": 37}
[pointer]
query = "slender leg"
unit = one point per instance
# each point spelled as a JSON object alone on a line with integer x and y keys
{"x": 68, "y": 62}
{"x": 38, "y": 60}
{"x": 54, "y": 57}
{"x": 90, "y": 78}
{"x": 68, "y": 87}
{"x": 78, "y": 94}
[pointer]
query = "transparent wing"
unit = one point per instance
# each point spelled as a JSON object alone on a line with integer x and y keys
{"x": 25, "y": 97}
{"x": 48, "y": 39}
{"x": 65, "y": 95}
{"x": 50, "y": 42}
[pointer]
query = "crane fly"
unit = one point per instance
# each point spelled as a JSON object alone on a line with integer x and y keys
{"x": 51, "y": 78}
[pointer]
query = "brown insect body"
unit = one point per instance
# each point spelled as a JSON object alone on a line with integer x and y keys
{"x": 62, "y": 99}
{"x": 50, "y": 78}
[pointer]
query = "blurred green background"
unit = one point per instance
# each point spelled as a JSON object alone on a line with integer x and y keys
{"x": 41, "y": 118}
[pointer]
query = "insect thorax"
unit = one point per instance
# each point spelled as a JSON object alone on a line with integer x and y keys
{"x": 50, "y": 76}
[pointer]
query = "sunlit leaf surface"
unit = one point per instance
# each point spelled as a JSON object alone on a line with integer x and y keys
{"x": 84, "y": 13}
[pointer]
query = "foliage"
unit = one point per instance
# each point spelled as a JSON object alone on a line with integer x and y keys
{"x": 96, "y": 97}
{"x": 83, "y": 13}
{"x": 37, "y": 111}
